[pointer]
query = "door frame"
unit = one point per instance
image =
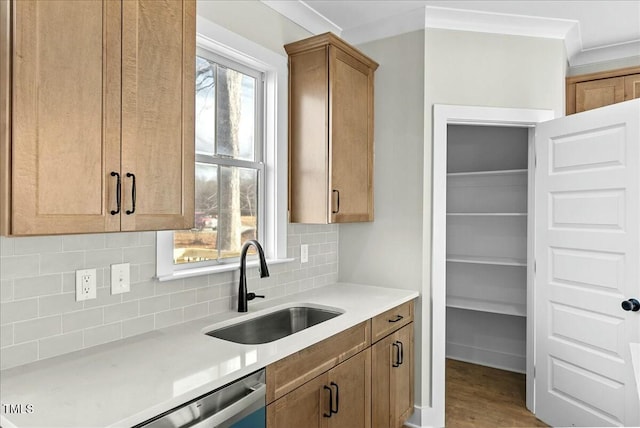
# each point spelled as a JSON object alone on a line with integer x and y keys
{"x": 444, "y": 115}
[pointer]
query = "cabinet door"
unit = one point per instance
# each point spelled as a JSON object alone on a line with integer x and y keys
{"x": 351, "y": 382}
{"x": 599, "y": 93}
{"x": 158, "y": 93}
{"x": 631, "y": 87}
{"x": 351, "y": 139}
{"x": 65, "y": 116}
{"x": 392, "y": 374}
{"x": 306, "y": 406}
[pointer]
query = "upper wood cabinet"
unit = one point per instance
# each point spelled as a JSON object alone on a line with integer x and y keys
{"x": 330, "y": 131}
{"x": 595, "y": 90}
{"x": 97, "y": 105}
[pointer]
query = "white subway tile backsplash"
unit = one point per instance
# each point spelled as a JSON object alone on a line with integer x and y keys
{"x": 102, "y": 334}
{"x": 124, "y": 239}
{"x": 80, "y": 320}
{"x": 139, "y": 325}
{"x": 105, "y": 257}
{"x": 167, "y": 318}
{"x": 17, "y": 355}
{"x": 120, "y": 312}
{"x": 19, "y": 266}
{"x": 196, "y": 311}
{"x": 38, "y": 328}
{"x": 61, "y": 262}
{"x": 182, "y": 299}
{"x": 139, "y": 255}
{"x": 34, "y": 286}
{"x": 61, "y": 344}
{"x": 103, "y": 298}
{"x": 18, "y": 310}
{"x": 40, "y": 317}
{"x": 37, "y": 245}
{"x": 155, "y": 304}
{"x": 83, "y": 242}
{"x": 6, "y": 335}
{"x": 58, "y": 304}
{"x": 6, "y": 290}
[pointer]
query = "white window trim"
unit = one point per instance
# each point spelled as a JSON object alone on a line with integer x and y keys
{"x": 274, "y": 66}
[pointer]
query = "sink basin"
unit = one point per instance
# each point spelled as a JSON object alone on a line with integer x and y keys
{"x": 273, "y": 326}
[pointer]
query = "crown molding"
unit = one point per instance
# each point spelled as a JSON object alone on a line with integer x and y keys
{"x": 305, "y": 16}
{"x": 461, "y": 20}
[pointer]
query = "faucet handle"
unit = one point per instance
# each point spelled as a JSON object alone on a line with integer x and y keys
{"x": 251, "y": 296}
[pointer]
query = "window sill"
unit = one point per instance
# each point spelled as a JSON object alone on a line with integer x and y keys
{"x": 188, "y": 273}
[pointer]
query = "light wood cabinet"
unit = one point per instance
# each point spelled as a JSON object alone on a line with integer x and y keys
{"x": 589, "y": 91}
{"x": 330, "y": 131}
{"x": 93, "y": 91}
{"x": 343, "y": 381}
{"x": 337, "y": 398}
{"x": 392, "y": 371}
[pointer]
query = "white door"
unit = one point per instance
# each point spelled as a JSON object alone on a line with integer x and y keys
{"x": 588, "y": 261}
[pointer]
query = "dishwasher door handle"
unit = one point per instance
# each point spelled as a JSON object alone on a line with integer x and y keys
{"x": 230, "y": 412}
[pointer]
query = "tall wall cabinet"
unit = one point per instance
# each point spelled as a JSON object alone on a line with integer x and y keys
{"x": 486, "y": 279}
{"x": 97, "y": 122}
{"x": 330, "y": 131}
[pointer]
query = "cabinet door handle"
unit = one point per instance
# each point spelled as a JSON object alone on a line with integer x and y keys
{"x": 328, "y": 415}
{"x": 397, "y": 362}
{"x": 133, "y": 194}
{"x": 401, "y": 352}
{"x": 337, "y": 210}
{"x": 337, "y": 398}
{"x": 397, "y": 318}
{"x": 118, "y": 196}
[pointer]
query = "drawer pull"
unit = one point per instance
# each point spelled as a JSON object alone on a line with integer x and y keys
{"x": 337, "y": 398}
{"x": 118, "y": 196}
{"x": 328, "y": 415}
{"x": 398, "y": 318}
{"x": 399, "y": 348}
{"x": 133, "y": 194}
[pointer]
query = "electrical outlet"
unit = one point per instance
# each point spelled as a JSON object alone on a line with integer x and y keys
{"x": 304, "y": 253}
{"x": 85, "y": 284}
{"x": 120, "y": 280}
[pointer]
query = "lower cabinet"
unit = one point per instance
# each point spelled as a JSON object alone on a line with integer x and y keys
{"x": 392, "y": 379}
{"x": 359, "y": 378}
{"x": 338, "y": 398}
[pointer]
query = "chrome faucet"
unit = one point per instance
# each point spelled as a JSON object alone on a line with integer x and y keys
{"x": 243, "y": 296}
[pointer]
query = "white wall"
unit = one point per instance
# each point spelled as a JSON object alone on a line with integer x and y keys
{"x": 387, "y": 251}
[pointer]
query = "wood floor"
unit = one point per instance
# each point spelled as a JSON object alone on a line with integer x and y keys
{"x": 478, "y": 396}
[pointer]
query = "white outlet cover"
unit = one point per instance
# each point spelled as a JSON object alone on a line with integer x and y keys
{"x": 85, "y": 284}
{"x": 304, "y": 253}
{"x": 120, "y": 278}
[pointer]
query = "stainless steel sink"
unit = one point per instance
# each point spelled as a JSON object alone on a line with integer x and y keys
{"x": 273, "y": 326}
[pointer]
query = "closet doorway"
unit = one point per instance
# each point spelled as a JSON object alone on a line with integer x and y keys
{"x": 483, "y": 168}
{"x": 580, "y": 330}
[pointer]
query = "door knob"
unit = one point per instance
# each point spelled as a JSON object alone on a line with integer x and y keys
{"x": 631, "y": 305}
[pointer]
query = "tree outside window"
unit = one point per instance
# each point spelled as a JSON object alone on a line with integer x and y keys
{"x": 228, "y": 161}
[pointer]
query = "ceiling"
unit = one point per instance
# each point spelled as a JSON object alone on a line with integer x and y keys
{"x": 593, "y": 31}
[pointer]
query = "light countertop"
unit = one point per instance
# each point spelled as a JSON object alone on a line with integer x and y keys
{"x": 122, "y": 383}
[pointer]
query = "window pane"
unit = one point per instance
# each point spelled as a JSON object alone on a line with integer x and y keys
{"x": 223, "y": 221}
{"x": 235, "y": 123}
{"x": 237, "y": 221}
{"x": 199, "y": 244}
{"x": 205, "y": 106}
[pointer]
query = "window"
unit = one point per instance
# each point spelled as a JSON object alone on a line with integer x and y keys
{"x": 229, "y": 191}
{"x": 241, "y": 158}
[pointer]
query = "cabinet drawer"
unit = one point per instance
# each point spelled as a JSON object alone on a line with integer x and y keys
{"x": 390, "y": 321}
{"x": 289, "y": 373}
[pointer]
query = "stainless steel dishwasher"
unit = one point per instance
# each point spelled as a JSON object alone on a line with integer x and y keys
{"x": 240, "y": 404}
